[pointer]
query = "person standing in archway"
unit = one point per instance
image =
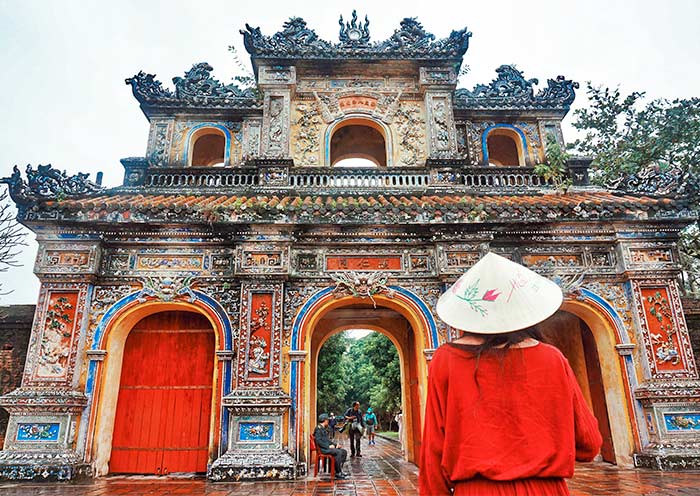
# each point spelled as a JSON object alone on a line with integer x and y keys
{"x": 504, "y": 413}
{"x": 357, "y": 425}
{"x": 371, "y": 424}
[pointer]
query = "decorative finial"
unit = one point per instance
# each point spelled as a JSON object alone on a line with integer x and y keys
{"x": 352, "y": 32}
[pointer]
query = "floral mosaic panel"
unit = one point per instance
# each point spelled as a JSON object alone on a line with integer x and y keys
{"x": 256, "y": 431}
{"x": 57, "y": 334}
{"x": 682, "y": 421}
{"x": 259, "y": 349}
{"x": 28, "y": 432}
{"x": 664, "y": 333}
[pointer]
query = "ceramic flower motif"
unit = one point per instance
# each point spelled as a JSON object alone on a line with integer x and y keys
{"x": 471, "y": 297}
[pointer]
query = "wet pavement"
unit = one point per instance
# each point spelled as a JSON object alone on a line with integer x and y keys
{"x": 380, "y": 472}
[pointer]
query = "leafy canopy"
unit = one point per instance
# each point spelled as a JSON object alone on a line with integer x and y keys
{"x": 624, "y": 135}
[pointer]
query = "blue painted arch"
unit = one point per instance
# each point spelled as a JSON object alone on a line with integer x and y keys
{"x": 189, "y": 145}
{"x": 488, "y": 130}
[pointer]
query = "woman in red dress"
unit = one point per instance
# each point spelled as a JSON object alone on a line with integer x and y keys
{"x": 504, "y": 415}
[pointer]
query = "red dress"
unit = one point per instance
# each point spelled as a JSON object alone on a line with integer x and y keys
{"x": 515, "y": 430}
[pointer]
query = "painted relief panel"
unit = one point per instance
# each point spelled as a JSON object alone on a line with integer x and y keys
{"x": 306, "y": 132}
{"x": 682, "y": 421}
{"x": 159, "y": 144}
{"x": 361, "y": 262}
{"x": 69, "y": 258}
{"x": 169, "y": 262}
{"x": 263, "y": 259}
{"x": 55, "y": 333}
{"x": 441, "y": 125}
{"x": 259, "y": 351}
{"x": 41, "y": 432}
{"x": 151, "y": 261}
{"x": 410, "y": 131}
{"x": 547, "y": 261}
{"x": 650, "y": 255}
{"x": 456, "y": 259}
{"x": 665, "y": 336}
{"x": 276, "y": 125}
{"x": 256, "y": 431}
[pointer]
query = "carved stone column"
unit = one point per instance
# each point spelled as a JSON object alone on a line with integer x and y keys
{"x": 277, "y": 84}
{"x": 670, "y": 393}
{"x": 41, "y": 437}
{"x": 438, "y": 85}
{"x": 257, "y": 404}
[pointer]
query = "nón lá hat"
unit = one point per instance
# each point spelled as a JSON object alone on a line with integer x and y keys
{"x": 497, "y": 296}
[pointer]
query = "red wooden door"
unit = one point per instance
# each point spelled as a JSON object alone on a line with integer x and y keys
{"x": 164, "y": 408}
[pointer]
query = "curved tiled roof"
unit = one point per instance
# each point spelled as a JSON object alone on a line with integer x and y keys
{"x": 359, "y": 208}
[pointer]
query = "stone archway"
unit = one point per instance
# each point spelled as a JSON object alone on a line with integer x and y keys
{"x": 395, "y": 327}
{"x": 309, "y": 333}
{"x": 588, "y": 336}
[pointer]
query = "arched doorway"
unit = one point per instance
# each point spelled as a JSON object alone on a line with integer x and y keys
{"x": 357, "y": 141}
{"x": 588, "y": 342}
{"x": 405, "y": 319}
{"x": 397, "y": 329}
{"x": 163, "y": 413}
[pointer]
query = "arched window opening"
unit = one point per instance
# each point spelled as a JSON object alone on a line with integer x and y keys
{"x": 355, "y": 163}
{"x": 208, "y": 147}
{"x": 504, "y": 147}
{"x": 358, "y": 139}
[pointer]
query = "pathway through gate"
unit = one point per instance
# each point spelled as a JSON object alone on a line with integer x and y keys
{"x": 380, "y": 472}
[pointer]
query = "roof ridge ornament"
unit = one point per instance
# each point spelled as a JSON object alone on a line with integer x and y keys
{"x": 197, "y": 88}
{"x": 352, "y": 33}
{"x": 510, "y": 89}
{"x": 47, "y": 183}
{"x": 657, "y": 181}
{"x": 410, "y": 41}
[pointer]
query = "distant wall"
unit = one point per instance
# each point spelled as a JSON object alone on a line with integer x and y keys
{"x": 691, "y": 307}
{"x": 15, "y": 327}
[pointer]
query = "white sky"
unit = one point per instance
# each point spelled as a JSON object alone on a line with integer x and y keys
{"x": 63, "y": 95}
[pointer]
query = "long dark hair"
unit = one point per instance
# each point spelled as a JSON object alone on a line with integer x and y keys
{"x": 498, "y": 344}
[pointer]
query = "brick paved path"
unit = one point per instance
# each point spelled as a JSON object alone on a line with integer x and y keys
{"x": 378, "y": 473}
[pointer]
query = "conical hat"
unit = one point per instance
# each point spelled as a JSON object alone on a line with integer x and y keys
{"x": 497, "y": 296}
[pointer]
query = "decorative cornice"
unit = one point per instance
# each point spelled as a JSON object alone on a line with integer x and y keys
{"x": 510, "y": 90}
{"x": 196, "y": 90}
{"x": 411, "y": 41}
{"x": 43, "y": 400}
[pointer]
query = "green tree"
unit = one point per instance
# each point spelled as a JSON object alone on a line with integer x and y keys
{"x": 333, "y": 368}
{"x": 365, "y": 370}
{"x": 623, "y": 135}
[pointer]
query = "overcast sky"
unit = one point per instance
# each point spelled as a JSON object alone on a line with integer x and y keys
{"x": 63, "y": 63}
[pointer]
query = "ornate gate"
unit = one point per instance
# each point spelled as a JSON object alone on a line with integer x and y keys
{"x": 164, "y": 410}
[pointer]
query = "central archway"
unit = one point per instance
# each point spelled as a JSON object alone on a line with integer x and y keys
{"x": 418, "y": 337}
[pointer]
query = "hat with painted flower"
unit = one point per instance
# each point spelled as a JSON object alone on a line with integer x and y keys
{"x": 497, "y": 296}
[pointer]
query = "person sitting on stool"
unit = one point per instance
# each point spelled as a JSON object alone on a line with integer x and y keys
{"x": 323, "y": 443}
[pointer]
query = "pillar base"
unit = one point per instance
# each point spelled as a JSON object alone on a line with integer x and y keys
{"x": 242, "y": 466}
{"x": 668, "y": 462}
{"x": 42, "y": 466}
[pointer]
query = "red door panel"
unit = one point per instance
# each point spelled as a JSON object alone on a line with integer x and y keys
{"x": 164, "y": 407}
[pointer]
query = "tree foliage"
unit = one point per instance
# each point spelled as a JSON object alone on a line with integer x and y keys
{"x": 623, "y": 135}
{"x": 12, "y": 237}
{"x": 365, "y": 370}
{"x": 554, "y": 167}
